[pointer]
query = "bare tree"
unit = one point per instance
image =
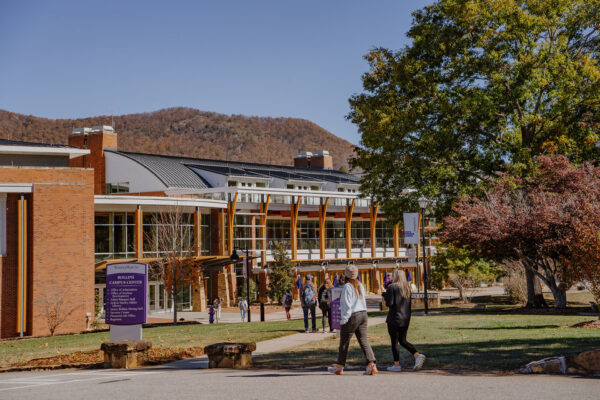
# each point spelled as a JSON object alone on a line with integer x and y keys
{"x": 56, "y": 310}
{"x": 172, "y": 236}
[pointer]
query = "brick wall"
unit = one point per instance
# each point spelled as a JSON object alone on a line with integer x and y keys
{"x": 61, "y": 248}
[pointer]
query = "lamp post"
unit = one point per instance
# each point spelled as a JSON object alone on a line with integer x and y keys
{"x": 423, "y": 203}
{"x": 234, "y": 257}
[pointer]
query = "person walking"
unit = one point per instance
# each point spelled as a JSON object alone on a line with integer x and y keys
{"x": 397, "y": 298}
{"x": 243, "y": 305}
{"x": 325, "y": 303}
{"x": 354, "y": 321}
{"x": 217, "y": 306}
{"x": 288, "y": 299}
{"x": 308, "y": 299}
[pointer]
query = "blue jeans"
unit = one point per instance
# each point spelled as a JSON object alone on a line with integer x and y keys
{"x": 243, "y": 314}
{"x": 313, "y": 316}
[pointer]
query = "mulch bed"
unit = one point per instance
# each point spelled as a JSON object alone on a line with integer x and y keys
{"x": 594, "y": 324}
{"x": 95, "y": 359}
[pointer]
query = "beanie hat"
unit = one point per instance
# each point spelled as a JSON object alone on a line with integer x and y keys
{"x": 351, "y": 272}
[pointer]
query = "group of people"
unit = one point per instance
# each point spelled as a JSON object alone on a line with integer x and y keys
{"x": 354, "y": 319}
{"x": 215, "y": 310}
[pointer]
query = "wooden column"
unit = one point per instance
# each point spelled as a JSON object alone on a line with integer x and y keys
{"x": 396, "y": 240}
{"x": 22, "y": 266}
{"x": 349, "y": 211}
{"x": 322, "y": 217}
{"x": 231, "y": 206}
{"x": 264, "y": 209}
{"x": 373, "y": 221}
{"x": 294, "y": 208}
{"x": 139, "y": 232}
{"x": 197, "y": 232}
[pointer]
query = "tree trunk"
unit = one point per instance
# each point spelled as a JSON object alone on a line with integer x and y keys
{"x": 560, "y": 296}
{"x": 535, "y": 298}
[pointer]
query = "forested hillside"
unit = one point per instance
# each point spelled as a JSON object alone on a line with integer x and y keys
{"x": 194, "y": 133}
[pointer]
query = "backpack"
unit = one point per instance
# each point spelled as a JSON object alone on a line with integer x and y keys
{"x": 288, "y": 300}
{"x": 310, "y": 298}
{"x": 324, "y": 297}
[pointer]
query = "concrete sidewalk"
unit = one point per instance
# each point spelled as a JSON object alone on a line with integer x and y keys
{"x": 268, "y": 346}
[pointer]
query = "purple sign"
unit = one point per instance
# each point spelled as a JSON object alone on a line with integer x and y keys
{"x": 126, "y": 293}
{"x": 336, "y": 311}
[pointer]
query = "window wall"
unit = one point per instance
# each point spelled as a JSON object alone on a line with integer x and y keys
{"x": 384, "y": 235}
{"x": 114, "y": 235}
{"x": 165, "y": 233}
{"x": 308, "y": 234}
{"x": 278, "y": 231}
{"x": 205, "y": 238}
{"x": 335, "y": 234}
{"x": 361, "y": 234}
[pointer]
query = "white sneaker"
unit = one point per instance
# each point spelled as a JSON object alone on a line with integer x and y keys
{"x": 334, "y": 369}
{"x": 394, "y": 368}
{"x": 419, "y": 362}
{"x": 371, "y": 370}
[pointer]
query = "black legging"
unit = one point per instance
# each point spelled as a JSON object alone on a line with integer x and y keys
{"x": 326, "y": 316}
{"x": 398, "y": 335}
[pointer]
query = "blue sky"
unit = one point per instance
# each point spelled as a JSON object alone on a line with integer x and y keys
{"x": 71, "y": 59}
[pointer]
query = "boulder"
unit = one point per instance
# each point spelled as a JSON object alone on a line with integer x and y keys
{"x": 586, "y": 363}
{"x": 230, "y": 355}
{"x": 125, "y": 353}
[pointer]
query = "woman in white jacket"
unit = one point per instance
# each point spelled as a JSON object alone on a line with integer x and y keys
{"x": 354, "y": 321}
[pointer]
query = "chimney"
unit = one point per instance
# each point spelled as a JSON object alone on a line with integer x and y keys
{"x": 302, "y": 159}
{"x": 321, "y": 160}
{"x": 96, "y": 139}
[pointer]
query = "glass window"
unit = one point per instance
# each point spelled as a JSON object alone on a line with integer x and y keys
{"x": 361, "y": 234}
{"x": 205, "y": 242}
{"x": 231, "y": 183}
{"x": 308, "y": 234}
{"x": 335, "y": 234}
{"x": 384, "y": 235}
{"x": 165, "y": 233}
{"x": 114, "y": 235}
{"x": 278, "y": 232}
{"x": 261, "y": 184}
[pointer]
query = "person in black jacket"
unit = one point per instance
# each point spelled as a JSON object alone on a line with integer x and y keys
{"x": 397, "y": 298}
{"x": 325, "y": 303}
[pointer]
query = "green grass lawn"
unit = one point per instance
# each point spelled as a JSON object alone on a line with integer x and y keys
{"x": 13, "y": 351}
{"x": 462, "y": 341}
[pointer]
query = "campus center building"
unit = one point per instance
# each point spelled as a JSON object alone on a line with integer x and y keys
{"x": 315, "y": 212}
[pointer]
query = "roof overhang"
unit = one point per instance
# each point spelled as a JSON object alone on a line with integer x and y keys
{"x": 16, "y": 187}
{"x": 158, "y": 201}
{"x": 44, "y": 151}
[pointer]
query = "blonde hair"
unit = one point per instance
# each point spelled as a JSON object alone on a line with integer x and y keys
{"x": 399, "y": 278}
{"x": 355, "y": 284}
{"x": 327, "y": 283}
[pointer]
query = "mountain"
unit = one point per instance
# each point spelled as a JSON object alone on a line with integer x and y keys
{"x": 189, "y": 132}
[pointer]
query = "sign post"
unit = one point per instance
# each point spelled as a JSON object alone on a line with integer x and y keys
{"x": 126, "y": 285}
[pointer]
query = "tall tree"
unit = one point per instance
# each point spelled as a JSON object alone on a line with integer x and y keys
{"x": 484, "y": 87}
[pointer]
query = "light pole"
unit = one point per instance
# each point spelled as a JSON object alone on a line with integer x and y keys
{"x": 234, "y": 256}
{"x": 423, "y": 203}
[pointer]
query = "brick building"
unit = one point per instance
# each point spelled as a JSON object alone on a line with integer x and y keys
{"x": 46, "y": 238}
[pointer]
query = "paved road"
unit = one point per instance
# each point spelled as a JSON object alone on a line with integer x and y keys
{"x": 162, "y": 383}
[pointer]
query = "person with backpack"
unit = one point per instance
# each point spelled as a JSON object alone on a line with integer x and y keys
{"x": 325, "y": 303}
{"x": 288, "y": 299}
{"x": 397, "y": 298}
{"x": 308, "y": 299}
{"x": 354, "y": 321}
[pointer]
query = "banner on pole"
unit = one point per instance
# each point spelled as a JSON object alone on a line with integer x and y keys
{"x": 245, "y": 267}
{"x": 336, "y": 311}
{"x": 411, "y": 228}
